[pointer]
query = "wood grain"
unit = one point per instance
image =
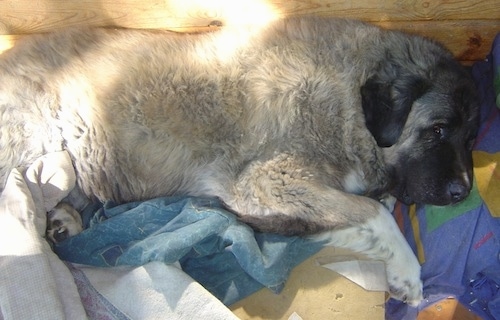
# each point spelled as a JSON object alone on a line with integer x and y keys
{"x": 469, "y": 41}
{"x": 466, "y": 27}
{"x": 27, "y": 16}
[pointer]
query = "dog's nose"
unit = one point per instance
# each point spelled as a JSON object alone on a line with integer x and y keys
{"x": 458, "y": 191}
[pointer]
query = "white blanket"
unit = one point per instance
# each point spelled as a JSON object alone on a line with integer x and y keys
{"x": 35, "y": 283}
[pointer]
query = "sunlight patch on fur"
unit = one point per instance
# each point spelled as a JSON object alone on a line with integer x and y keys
{"x": 256, "y": 13}
{"x": 7, "y": 42}
{"x": 238, "y": 16}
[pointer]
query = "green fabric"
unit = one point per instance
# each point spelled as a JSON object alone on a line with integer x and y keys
{"x": 436, "y": 216}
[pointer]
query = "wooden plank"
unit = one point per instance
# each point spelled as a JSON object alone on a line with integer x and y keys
{"x": 28, "y": 16}
{"x": 467, "y": 40}
{"x": 397, "y": 10}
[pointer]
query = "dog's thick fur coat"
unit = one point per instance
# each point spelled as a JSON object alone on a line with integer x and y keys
{"x": 300, "y": 128}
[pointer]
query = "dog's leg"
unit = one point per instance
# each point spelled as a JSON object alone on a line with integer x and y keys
{"x": 282, "y": 196}
{"x": 379, "y": 238}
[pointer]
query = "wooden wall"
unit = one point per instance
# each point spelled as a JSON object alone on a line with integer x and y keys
{"x": 467, "y": 27}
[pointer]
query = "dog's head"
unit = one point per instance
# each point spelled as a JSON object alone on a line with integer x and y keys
{"x": 425, "y": 116}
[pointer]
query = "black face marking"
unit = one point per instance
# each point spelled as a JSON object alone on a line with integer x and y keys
{"x": 387, "y": 104}
{"x": 433, "y": 164}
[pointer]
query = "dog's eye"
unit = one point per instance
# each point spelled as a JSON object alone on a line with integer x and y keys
{"x": 438, "y": 129}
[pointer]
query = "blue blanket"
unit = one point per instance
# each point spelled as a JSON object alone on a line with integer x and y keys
{"x": 227, "y": 257}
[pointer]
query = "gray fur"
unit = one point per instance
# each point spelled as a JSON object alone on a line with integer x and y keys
{"x": 272, "y": 122}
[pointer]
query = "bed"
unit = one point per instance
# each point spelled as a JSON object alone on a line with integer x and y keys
{"x": 187, "y": 258}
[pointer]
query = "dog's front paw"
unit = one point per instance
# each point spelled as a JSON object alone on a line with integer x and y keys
{"x": 404, "y": 281}
{"x": 63, "y": 222}
{"x": 388, "y": 201}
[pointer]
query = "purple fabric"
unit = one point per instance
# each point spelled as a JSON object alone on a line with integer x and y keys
{"x": 460, "y": 244}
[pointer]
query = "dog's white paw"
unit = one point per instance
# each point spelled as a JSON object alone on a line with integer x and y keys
{"x": 63, "y": 222}
{"x": 388, "y": 201}
{"x": 379, "y": 238}
{"x": 403, "y": 277}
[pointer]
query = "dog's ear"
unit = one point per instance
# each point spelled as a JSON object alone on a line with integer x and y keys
{"x": 386, "y": 105}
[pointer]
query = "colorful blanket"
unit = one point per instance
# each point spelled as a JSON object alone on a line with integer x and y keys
{"x": 459, "y": 246}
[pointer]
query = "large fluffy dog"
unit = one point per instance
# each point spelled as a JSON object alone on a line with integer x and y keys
{"x": 302, "y": 128}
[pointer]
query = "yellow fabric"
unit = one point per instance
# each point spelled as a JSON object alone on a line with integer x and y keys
{"x": 416, "y": 233}
{"x": 487, "y": 173}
